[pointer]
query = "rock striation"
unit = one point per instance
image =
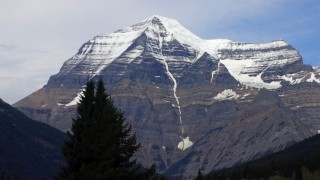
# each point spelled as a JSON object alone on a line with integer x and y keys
{"x": 194, "y": 103}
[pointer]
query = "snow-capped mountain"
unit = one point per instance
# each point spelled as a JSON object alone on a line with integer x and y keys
{"x": 194, "y": 103}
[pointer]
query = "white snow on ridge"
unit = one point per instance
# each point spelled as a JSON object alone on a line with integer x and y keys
{"x": 291, "y": 78}
{"x": 247, "y": 68}
{"x": 184, "y": 36}
{"x": 313, "y": 78}
{"x": 316, "y": 68}
{"x": 226, "y": 94}
{"x": 76, "y": 100}
{"x": 302, "y": 76}
{"x": 60, "y": 104}
{"x": 236, "y": 67}
{"x": 114, "y": 45}
{"x": 254, "y": 46}
{"x": 185, "y": 143}
{"x": 211, "y": 46}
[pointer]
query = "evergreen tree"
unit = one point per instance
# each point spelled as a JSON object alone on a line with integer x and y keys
{"x": 100, "y": 144}
{"x": 119, "y": 133}
{"x": 74, "y": 148}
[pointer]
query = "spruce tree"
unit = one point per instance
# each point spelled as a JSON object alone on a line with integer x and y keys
{"x": 100, "y": 144}
{"x": 74, "y": 149}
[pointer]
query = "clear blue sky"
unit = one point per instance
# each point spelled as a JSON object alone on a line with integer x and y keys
{"x": 37, "y": 36}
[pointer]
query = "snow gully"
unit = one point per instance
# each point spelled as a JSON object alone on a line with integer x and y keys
{"x": 185, "y": 142}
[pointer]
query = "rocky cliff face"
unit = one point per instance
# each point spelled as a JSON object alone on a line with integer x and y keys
{"x": 194, "y": 104}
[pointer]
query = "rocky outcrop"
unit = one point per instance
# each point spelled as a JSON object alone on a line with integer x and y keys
{"x": 303, "y": 99}
{"x": 194, "y": 104}
{"x": 243, "y": 132}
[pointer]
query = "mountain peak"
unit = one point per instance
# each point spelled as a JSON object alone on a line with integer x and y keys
{"x": 157, "y": 31}
{"x": 190, "y": 98}
{"x": 149, "y": 22}
{"x": 158, "y": 18}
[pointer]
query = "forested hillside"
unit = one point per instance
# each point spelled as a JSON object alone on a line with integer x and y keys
{"x": 28, "y": 149}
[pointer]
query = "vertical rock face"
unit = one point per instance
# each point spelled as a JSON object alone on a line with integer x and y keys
{"x": 194, "y": 103}
{"x": 246, "y": 131}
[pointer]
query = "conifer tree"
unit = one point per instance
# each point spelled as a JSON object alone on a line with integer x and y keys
{"x": 74, "y": 148}
{"x": 100, "y": 144}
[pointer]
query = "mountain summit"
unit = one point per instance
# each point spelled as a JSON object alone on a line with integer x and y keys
{"x": 194, "y": 104}
{"x": 156, "y": 31}
{"x": 157, "y": 34}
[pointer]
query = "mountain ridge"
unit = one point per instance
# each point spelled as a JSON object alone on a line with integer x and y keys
{"x": 29, "y": 149}
{"x": 249, "y": 71}
{"x": 302, "y": 157}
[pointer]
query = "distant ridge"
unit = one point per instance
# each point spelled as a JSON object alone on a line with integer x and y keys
{"x": 28, "y": 149}
{"x": 302, "y": 157}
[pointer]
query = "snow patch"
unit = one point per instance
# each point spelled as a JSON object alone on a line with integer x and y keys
{"x": 313, "y": 78}
{"x": 76, "y": 100}
{"x": 185, "y": 143}
{"x": 226, "y": 94}
{"x": 215, "y": 72}
{"x": 298, "y": 78}
{"x": 291, "y": 79}
{"x": 44, "y": 105}
{"x": 245, "y": 95}
{"x": 236, "y": 68}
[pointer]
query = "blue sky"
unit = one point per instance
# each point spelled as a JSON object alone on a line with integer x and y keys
{"x": 37, "y": 36}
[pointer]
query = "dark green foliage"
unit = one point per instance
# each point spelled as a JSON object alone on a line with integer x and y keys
{"x": 300, "y": 161}
{"x": 28, "y": 149}
{"x": 101, "y": 144}
{"x": 77, "y": 149}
